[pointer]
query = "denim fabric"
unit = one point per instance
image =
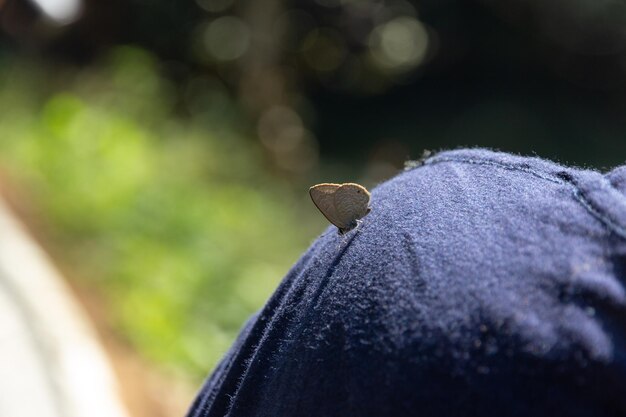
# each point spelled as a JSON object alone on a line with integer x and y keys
{"x": 481, "y": 284}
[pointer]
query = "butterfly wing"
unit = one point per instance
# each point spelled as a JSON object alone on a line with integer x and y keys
{"x": 322, "y": 196}
{"x": 351, "y": 203}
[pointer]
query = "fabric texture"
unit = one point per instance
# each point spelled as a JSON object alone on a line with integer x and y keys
{"x": 481, "y": 284}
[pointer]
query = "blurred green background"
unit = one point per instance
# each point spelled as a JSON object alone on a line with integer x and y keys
{"x": 176, "y": 220}
{"x": 164, "y": 149}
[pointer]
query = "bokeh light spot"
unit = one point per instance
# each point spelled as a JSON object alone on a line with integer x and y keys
{"x": 293, "y": 147}
{"x": 274, "y": 123}
{"x": 400, "y": 44}
{"x": 62, "y": 12}
{"x": 227, "y": 38}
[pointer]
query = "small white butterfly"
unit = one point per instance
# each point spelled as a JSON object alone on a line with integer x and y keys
{"x": 341, "y": 204}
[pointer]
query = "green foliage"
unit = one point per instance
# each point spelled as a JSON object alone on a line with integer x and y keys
{"x": 176, "y": 222}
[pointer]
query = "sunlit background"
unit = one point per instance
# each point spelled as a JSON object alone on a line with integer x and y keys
{"x": 161, "y": 151}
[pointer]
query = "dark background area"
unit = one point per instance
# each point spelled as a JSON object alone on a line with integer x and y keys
{"x": 522, "y": 76}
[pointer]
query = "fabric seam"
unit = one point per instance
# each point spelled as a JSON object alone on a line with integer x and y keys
{"x": 578, "y": 194}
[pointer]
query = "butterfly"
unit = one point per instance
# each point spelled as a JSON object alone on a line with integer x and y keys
{"x": 341, "y": 204}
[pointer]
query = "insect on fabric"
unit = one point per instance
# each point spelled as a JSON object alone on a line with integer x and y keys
{"x": 341, "y": 204}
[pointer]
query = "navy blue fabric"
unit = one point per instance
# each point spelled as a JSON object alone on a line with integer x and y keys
{"x": 481, "y": 284}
